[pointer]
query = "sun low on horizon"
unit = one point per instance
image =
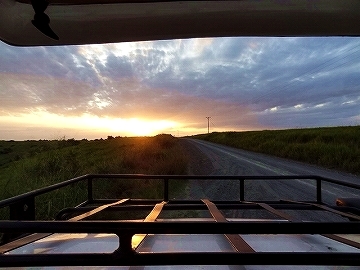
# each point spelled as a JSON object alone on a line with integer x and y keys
{"x": 87, "y": 126}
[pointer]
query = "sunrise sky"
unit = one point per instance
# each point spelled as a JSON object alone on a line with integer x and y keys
{"x": 147, "y": 88}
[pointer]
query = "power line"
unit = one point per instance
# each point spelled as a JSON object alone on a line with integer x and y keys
{"x": 310, "y": 72}
{"x": 213, "y": 125}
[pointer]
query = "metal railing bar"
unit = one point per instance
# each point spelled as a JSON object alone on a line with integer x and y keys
{"x": 184, "y": 207}
{"x": 342, "y": 240}
{"x": 242, "y": 190}
{"x": 90, "y": 189}
{"x": 292, "y": 219}
{"x": 318, "y": 191}
{"x": 41, "y": 191}
{"x": 220, "y": 177}
{"x": 83, "y": 204}
{"x": 149, "y": 202}
{"x": 184, "y": 258}
{"x": 21, "y": 242}
{"x": 166, "y": 189}
{"x": 326, "y": 208}
{"x": 180, "y": 227}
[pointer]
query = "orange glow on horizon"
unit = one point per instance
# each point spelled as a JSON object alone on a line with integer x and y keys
{"x": 92, "y": 123}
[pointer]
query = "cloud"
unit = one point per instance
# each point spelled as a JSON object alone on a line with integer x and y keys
{"x": 116, "y": 67}
{"x": 237, "y": 81}
{"x": 60, "y": 62}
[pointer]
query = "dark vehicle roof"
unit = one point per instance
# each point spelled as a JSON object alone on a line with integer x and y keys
{"x": 104, "y": 21}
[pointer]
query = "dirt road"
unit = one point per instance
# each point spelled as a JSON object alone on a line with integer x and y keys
{"x": 213, "y": 159}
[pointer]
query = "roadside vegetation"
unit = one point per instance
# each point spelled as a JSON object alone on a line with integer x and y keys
{"x": 30, "y": 165}
{"x": 331, "y": 147}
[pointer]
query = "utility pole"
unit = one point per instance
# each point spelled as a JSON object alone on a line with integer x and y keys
{"x": 208, "y": 118}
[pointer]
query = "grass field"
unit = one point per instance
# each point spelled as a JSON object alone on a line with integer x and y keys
{"x": 332, "y": 147}
{"x": 29, "y": 165}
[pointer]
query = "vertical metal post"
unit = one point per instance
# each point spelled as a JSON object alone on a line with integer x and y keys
{"x": 125, "y": 244}
{"x": 318, "y": 191}
{"x": 90, "y": 189}
{"x": 23, "y": 210}
{"x": 166, "y": 189}
{"x": 242, "y": 190}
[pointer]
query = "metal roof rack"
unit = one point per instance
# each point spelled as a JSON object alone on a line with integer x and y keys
{"x": 23, "y": 225}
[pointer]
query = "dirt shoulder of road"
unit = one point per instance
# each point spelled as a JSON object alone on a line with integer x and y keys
{"x": 199, "y": 164}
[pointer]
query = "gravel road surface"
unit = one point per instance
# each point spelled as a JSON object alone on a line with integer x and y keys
{"x": 214, "y": 159}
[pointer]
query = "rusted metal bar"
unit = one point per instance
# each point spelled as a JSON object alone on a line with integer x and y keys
{"x": 277, "y": 212}
{"x": 235, "y": 240}
{"x": 292, "y": 219}
{"x": 342, "y": 240}
{"x": 151, "y": 217}
{"x": 97, "y": 210}
{"x": 155, "y": 212}
{"x": 22, "y": 241}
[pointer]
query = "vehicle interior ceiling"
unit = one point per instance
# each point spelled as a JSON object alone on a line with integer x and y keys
{"x": 68, "y": 22}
